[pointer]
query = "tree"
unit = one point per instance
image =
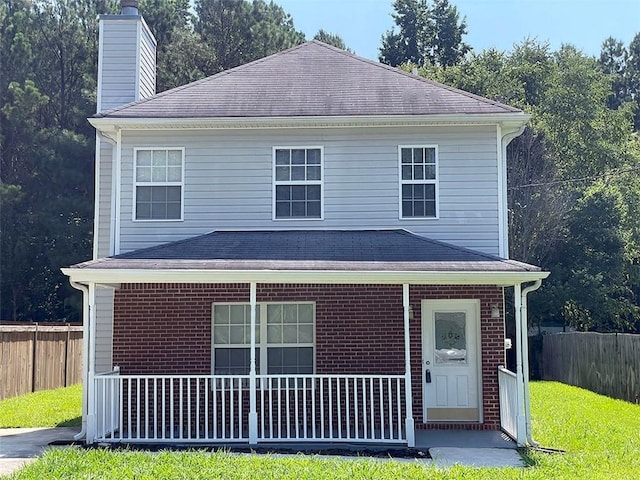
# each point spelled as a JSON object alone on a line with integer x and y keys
{"x": 613, "y": 60}
{"x": 331, "y": 39}
{"x": 47, "y": 91}
{"x": 239, "y": 31}
{"x": 425, "y": 34}
{"x": 178, "y": 48}
{"x": 623, "y": 65}
{"x": 589, "y": 288}
{"x": 447, "y": 47}
{"x": 576, "y": 163}
{"x": 633, "y": 77}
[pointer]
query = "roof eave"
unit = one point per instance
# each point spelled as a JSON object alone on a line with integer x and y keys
{"x": 119, "y": 276}
{"x": 109, "y": 125}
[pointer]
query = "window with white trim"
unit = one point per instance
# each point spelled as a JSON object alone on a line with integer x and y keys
{"x": 418, "y": 181}
{"x": 159, "y": 183}
{"x": 284, "y": 338}
{"x": 297, "y": 182}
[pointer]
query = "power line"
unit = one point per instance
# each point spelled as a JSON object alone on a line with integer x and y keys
{"x": 580, "y": 179}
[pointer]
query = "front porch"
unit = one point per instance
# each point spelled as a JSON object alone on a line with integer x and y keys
{"x": 368, "y": 350}
{"x": 298, "y": 409}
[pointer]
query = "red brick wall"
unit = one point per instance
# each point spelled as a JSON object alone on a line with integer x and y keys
{"x": 166, "y": 329}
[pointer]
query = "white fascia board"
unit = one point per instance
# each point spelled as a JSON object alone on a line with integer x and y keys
{"x": 513, "y": 120}
{"x": 101, "y": 276}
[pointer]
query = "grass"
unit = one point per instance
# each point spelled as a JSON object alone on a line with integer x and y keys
{"x": 61, "y": 407}
{"x": 601, "y": 437}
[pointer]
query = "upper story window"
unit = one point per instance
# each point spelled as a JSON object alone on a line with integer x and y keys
{"x": 297, "y": 183}
{"x": 418, "y": 181}
{"x": 159, "y": 183}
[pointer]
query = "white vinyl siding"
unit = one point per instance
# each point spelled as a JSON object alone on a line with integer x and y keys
{"x": 104, "y": 329}
{"x": 126, "y": 74}
{"x": 228, "y": 177}
{"x": 147, "y": 73}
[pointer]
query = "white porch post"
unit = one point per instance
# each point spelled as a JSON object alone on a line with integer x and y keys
{"x": 520, "y": 419}
{"x": 253, "y": 413}
{"x": 408, "y": 423}
{"x": 91, "y": 386}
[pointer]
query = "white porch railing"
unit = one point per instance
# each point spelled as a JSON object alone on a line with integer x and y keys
{"x": 174, "y": 408}
{"x": 508, "y": 402}
{"x": 336, "y": 408}
{"x": 107, "y": 413}
{"x": 215, "y": 408}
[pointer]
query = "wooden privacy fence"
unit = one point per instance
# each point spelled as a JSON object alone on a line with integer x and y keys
{"x": 606, "y": 363}
{"x": 39, "y": 357}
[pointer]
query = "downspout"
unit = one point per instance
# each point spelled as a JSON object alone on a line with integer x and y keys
{"x": 525, "y": 353}
{"x": 521, "y": 426}
{"x": 505, "y": 136}
{"x": 85, "y": 353}
{"x": 91, "y": 414}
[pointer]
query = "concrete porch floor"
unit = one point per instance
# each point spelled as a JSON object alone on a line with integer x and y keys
{"x": 463, "y": 439}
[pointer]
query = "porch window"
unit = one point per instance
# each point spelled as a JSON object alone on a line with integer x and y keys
{"x": 418, "y": 181}
{"x": 297, "y": 183}
{"x": 284, "y": 340}
{"x": 158, "y": 184}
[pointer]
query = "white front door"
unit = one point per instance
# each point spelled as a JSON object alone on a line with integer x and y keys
{"x": 451, "y": 361}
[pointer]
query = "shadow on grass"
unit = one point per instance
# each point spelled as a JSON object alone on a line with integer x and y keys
{"x": 71, "y": 422}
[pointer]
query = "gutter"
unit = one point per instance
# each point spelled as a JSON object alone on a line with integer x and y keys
{"x": 110, "y": 124}
{"x": 85, "y": 354}
{"x": 525, "y": 347}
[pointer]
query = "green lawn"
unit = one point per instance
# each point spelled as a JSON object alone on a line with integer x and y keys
{"x": 601, "y": 437}
{"x": 61, "y": 407}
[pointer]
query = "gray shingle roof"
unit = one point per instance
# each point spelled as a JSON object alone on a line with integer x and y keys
{"x": 310, "y": 80}
{"x": 310, "y": 250}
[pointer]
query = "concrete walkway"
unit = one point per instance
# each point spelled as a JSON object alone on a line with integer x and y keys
{"x": 474, "y": 448}
{"x": 19, "y": 446}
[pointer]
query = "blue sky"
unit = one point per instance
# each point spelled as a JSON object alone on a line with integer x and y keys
{"x": 490, "y": 23}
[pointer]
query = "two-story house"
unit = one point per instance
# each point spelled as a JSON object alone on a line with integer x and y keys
{"x": 309, "y": 247}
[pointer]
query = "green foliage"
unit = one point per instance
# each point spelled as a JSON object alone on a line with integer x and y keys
{"x": 331, "y": 39}
{"x": 622, "y": 64}
{"x": 573, "y": 183}
{"x": 426, "y": 34}
{"x": 46, "y": 161}
{"x": 240, "y": 31}
{"x": 61, "y": 407}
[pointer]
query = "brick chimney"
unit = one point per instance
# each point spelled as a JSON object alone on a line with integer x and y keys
{"x": 126, "y": 58}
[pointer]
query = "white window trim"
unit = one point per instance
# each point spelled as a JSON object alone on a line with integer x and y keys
{"x": 275, "y": 183}
{"x": 435, "y": 182}
{"x": 157, "y": 184}
{"x": 263, "y": 345}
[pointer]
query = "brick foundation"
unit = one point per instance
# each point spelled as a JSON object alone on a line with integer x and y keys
{"x": 166, "y": 329}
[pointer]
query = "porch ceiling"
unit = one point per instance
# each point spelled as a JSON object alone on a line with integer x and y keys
{"x": 307, "y": 256}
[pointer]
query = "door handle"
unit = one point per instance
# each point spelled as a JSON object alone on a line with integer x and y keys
{"x": 427, "y": 376}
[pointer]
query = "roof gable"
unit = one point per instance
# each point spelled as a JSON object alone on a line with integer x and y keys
{"x": 310, "y": 80}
